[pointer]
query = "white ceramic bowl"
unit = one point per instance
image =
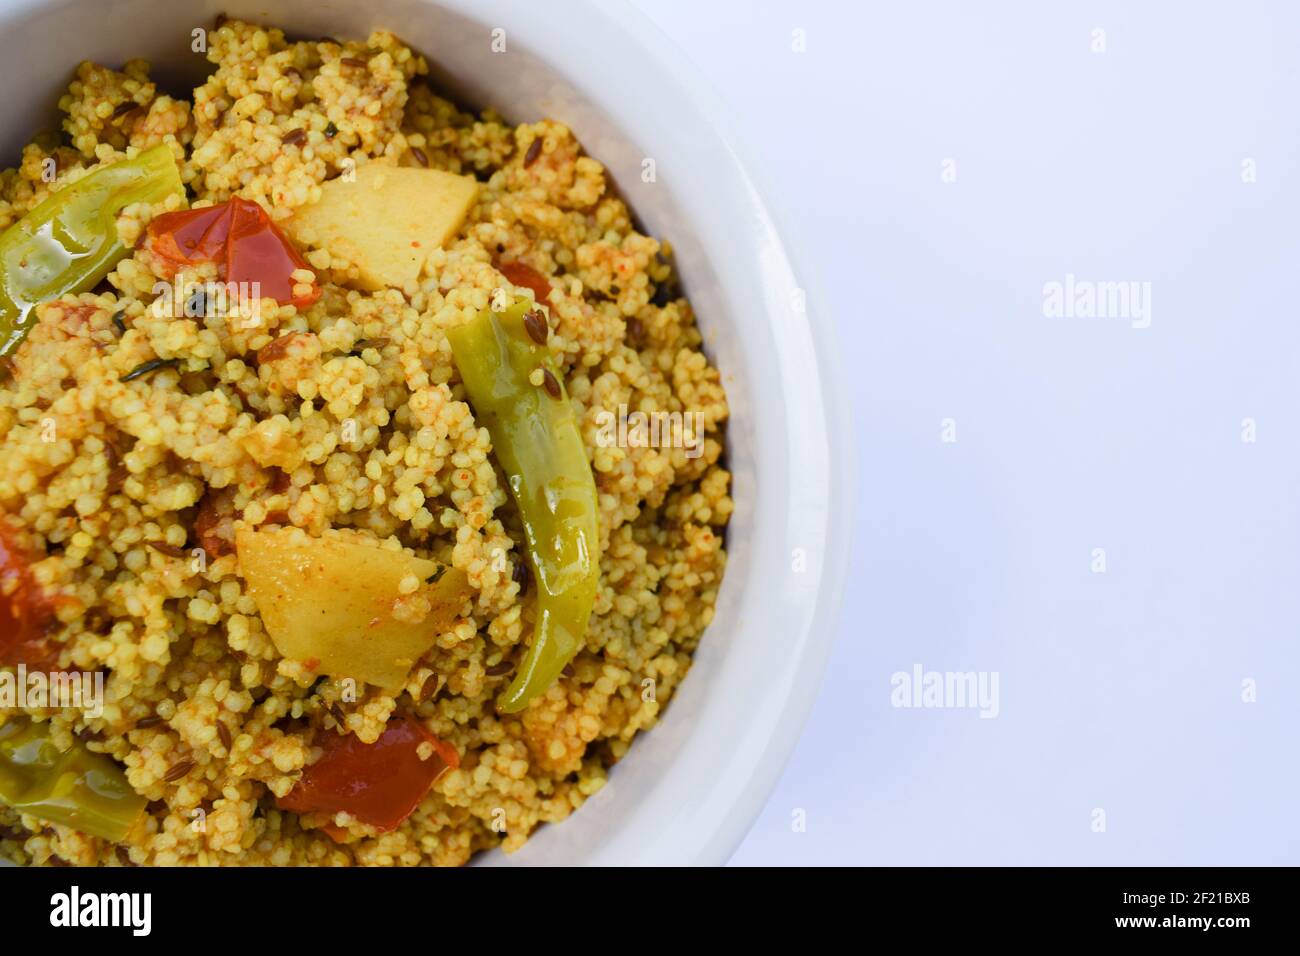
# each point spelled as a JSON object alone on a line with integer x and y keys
{"x": 689, "y": 789}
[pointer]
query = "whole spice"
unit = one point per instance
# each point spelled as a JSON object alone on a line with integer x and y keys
{"x": 536, "y": 325}
{"x": 334, "y": 711}
{"x": 635, "y": 333}
{"x": 429, "y": 687}
{"x": 117, "y": 470}
{"x": 144, "y": 368}
{"x": 534, "y": 150}
{"x": 178, "y": 770}
{"x": 362, "y": 344}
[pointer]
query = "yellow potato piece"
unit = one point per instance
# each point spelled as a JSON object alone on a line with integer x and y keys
{"x": 334, "y": 603}
{"x": 386, "y": 220}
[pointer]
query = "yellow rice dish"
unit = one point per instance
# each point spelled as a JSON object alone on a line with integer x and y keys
{"x": 362, "y": 469}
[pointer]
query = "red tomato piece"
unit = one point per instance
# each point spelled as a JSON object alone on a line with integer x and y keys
{"x": 524, "y": 275}
{"x": 380, "y": 784}
{"x": 239, "y": 236}
{"x": 24, "y": 612}
{"x": 192, "y": 236}
{"x": 259, "y": 252}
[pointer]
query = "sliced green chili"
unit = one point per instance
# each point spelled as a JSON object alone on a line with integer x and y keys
{"x": 77, "y": 788}
{"x": 536, "y": 441}
{"x": 69, "y": 242}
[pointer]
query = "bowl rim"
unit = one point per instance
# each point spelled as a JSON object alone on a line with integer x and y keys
{"x": 787, "y": 241}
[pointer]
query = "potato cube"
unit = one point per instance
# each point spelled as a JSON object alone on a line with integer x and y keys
{"x": 337, "y": 603}
{"x": 386, "y": 220}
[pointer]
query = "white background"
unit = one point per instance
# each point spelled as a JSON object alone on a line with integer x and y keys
{"x": 1120, "y": 691}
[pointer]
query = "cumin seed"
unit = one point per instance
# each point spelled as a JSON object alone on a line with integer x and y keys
{"x": 429, "y": 687}
{"x": 534, "y": 150}
{"x": 536, "y": 326}
{"x": 177, "y": 771}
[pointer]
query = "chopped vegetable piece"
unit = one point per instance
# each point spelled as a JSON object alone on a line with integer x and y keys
{"x": 240, "y": 237}
{"x": 24, "y": 612}
{"x": 191, "y": 236}
{"x": 535, "y": 438}
{"x": 526, "y": 277}
{"x": 386, "y": 220}
{"x": 69, "y": 242}
{"x": 77, "y": 788}
{"x": 381, "y": 783}
{"x": 338, "y": 600}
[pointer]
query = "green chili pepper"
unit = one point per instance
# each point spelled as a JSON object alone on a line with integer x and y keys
{"x": 536, "y": 440}
{"x": 80, "y": 789}
{"x": 69, "y": 242}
